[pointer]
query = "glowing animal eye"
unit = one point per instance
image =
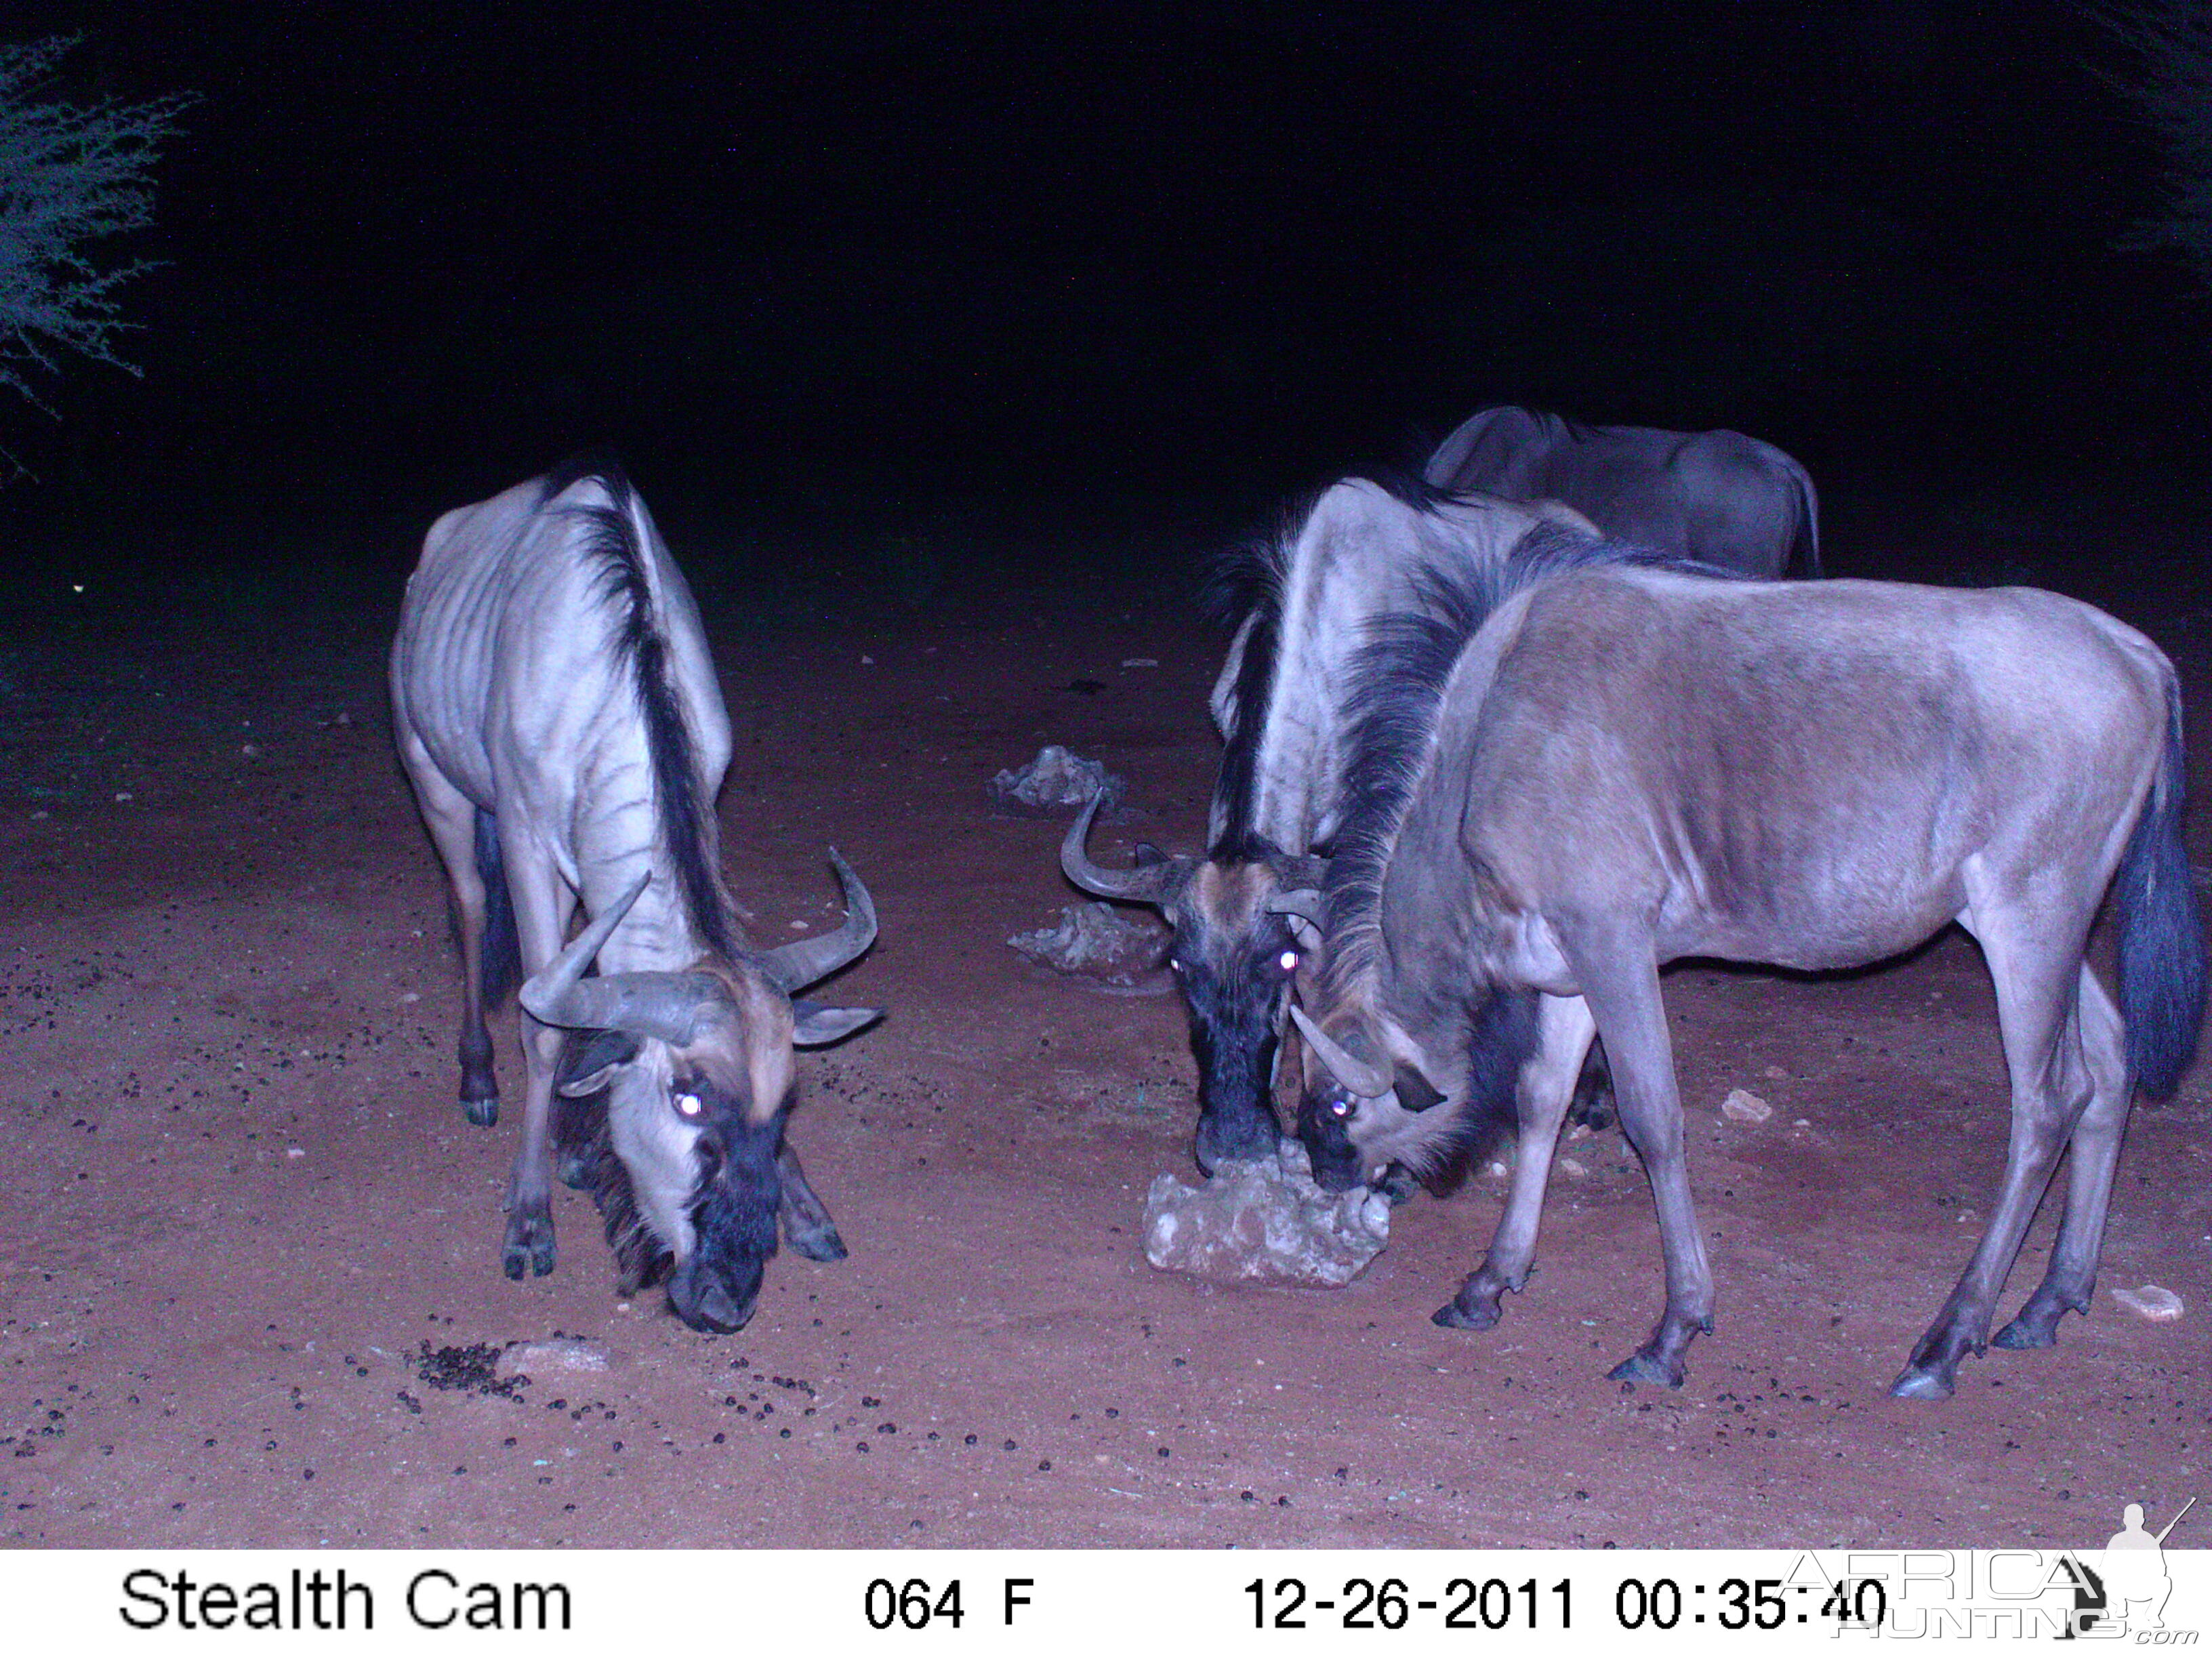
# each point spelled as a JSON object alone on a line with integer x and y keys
{"x": 1341, "y": 1107}
{"x": 1287, "y": 961}
{"x": 1175, "y": 965}
{"x": 688, "y": 1104}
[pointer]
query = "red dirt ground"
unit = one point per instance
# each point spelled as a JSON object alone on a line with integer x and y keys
{"x": 243, "y": 1197}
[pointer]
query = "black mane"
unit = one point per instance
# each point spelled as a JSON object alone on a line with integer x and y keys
{"x": 687, "y": 821}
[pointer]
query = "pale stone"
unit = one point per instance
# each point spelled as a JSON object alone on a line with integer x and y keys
{"x": 1264, "y": 1221}
{"x": 2153, "y": 1302}
{"x": 1055, "y": 785}
{"x": 1744, "y": 1107}
{"x": 1117, "y": 947}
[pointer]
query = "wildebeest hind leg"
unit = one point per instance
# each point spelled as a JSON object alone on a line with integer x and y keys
{"x": 1564, "y": 1029}
{"x": 2038, "y": 990}
{"x": 2071, "y": 1279}
{"x": 806, "y": 1224}
{"x": 450, "y": 818}
{"x": 1619, "y": 971}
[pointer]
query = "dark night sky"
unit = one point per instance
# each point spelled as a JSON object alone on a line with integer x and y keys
{"x": 1124, "y": 250}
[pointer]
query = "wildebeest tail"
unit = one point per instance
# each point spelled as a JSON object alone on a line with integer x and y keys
{"x": 2161, "y": 946}
{"x": 501, "y": 945}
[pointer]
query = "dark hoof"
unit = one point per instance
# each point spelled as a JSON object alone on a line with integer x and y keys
{"x": 1923, "y": 1383}
{"x": 482, "y": 1112}
{"x": 2037, "y": 1323}
{"x": 528, "y": 1246}
{"x": 817, "y": 1244}
{"x": 575, "y": 1170}
{"x": 1640, "y": 1367}
{"x": 1453, "y": 1317}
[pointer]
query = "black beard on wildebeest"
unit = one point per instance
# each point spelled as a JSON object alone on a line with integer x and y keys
{"x": 736, "y": 1198}
{"x": 1233, "y": 1035}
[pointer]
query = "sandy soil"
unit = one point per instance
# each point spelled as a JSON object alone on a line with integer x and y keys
{"x": 244, "y": 1207}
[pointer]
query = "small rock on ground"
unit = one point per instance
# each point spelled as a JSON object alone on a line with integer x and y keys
{"x": 1264, "y": 1221}
{"x": 1121, "y": 949}
{"x": 1746, "y": 1107}
{"x": 1055, "y": 785}
{"x": 2153, "y": 1302}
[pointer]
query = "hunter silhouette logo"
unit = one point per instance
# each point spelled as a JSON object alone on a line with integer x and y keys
{"x": 2136, "y": 1581}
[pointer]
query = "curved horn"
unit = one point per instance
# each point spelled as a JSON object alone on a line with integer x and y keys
{"x": 1147, "y": 884}
{"x": 800, "y": 964}
{"x": 1368, "y": 1082}
{"x": 1305, "y": 904}
{"x": 663, "y": 1006}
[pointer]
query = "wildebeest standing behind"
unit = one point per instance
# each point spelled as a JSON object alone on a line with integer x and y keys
{"x": 1302, "y": 602}
{"x": 1717, "y": 497}
{"x": 1623, "y": 767}
{"x": 558, "y": 715}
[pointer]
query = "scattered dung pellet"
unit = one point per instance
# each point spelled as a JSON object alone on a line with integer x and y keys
{"x": 969, "y": 1441}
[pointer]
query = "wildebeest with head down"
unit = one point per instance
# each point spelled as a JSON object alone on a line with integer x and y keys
{"x": 1718, "y": 497}
{"x": 558, "y": 715}
{"x": 1622, "y": 767}
{"x": 1304, "y": 598}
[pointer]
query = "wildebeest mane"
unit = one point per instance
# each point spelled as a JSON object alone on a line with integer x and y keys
{"x": 1247, "y": 582}
{"x": 686, "y": 820}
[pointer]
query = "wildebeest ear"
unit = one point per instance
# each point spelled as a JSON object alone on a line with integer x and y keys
{"x": 1144, "y": 853}
{"x": 589, "y": 1062}
{"x": 815, "y": 1025}
{"x": 1415, "y": 1092}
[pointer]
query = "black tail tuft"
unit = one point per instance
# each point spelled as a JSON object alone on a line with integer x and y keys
{"x": 503, "y": 946}
{"x": 2161, "y": 944}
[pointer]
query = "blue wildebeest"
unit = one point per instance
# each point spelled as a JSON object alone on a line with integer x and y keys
{"x": 1304, "y": 598}
{"x": 1717, "y": 497}
{"x": 559, "y": 717}
{"x": 1623, "y": 766}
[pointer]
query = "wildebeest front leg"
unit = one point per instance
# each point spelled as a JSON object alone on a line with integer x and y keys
{"x": 2037, "y": 990}
{"x": 807, "y": 1227}
{"x": 1564, "y": 1029}
{"x": 2071, "y": 1278}
{"x": 543, "y": 905}
{"x": 1619, "y": 971}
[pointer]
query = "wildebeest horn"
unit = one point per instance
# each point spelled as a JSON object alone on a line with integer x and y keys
{"x": 1305, "y": 904}
{"x": 663, "y": 1006}
{"x": 1368, "y": 1082}
{"x": 794, "y": 966}
{"x": 1145, "y": 884}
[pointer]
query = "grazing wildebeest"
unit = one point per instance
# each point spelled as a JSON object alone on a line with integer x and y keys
{"x": 558, "y": 715}
{"x": 1717, "y": 497}
{"x": 1359, "y": 552}
{"x": 1625, "y": 766}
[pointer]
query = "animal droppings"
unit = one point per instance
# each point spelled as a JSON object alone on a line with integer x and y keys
{"x": 1266, "y": 1221}
{"x": 1055, "y": 785}
{"x": 1744, "y": 1107}
{"x": 471, "y": 1369}
{"x": 2153, "y": 1302}
{"x": 1121, "y": 950}
{"x": 571, "y": 1353}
